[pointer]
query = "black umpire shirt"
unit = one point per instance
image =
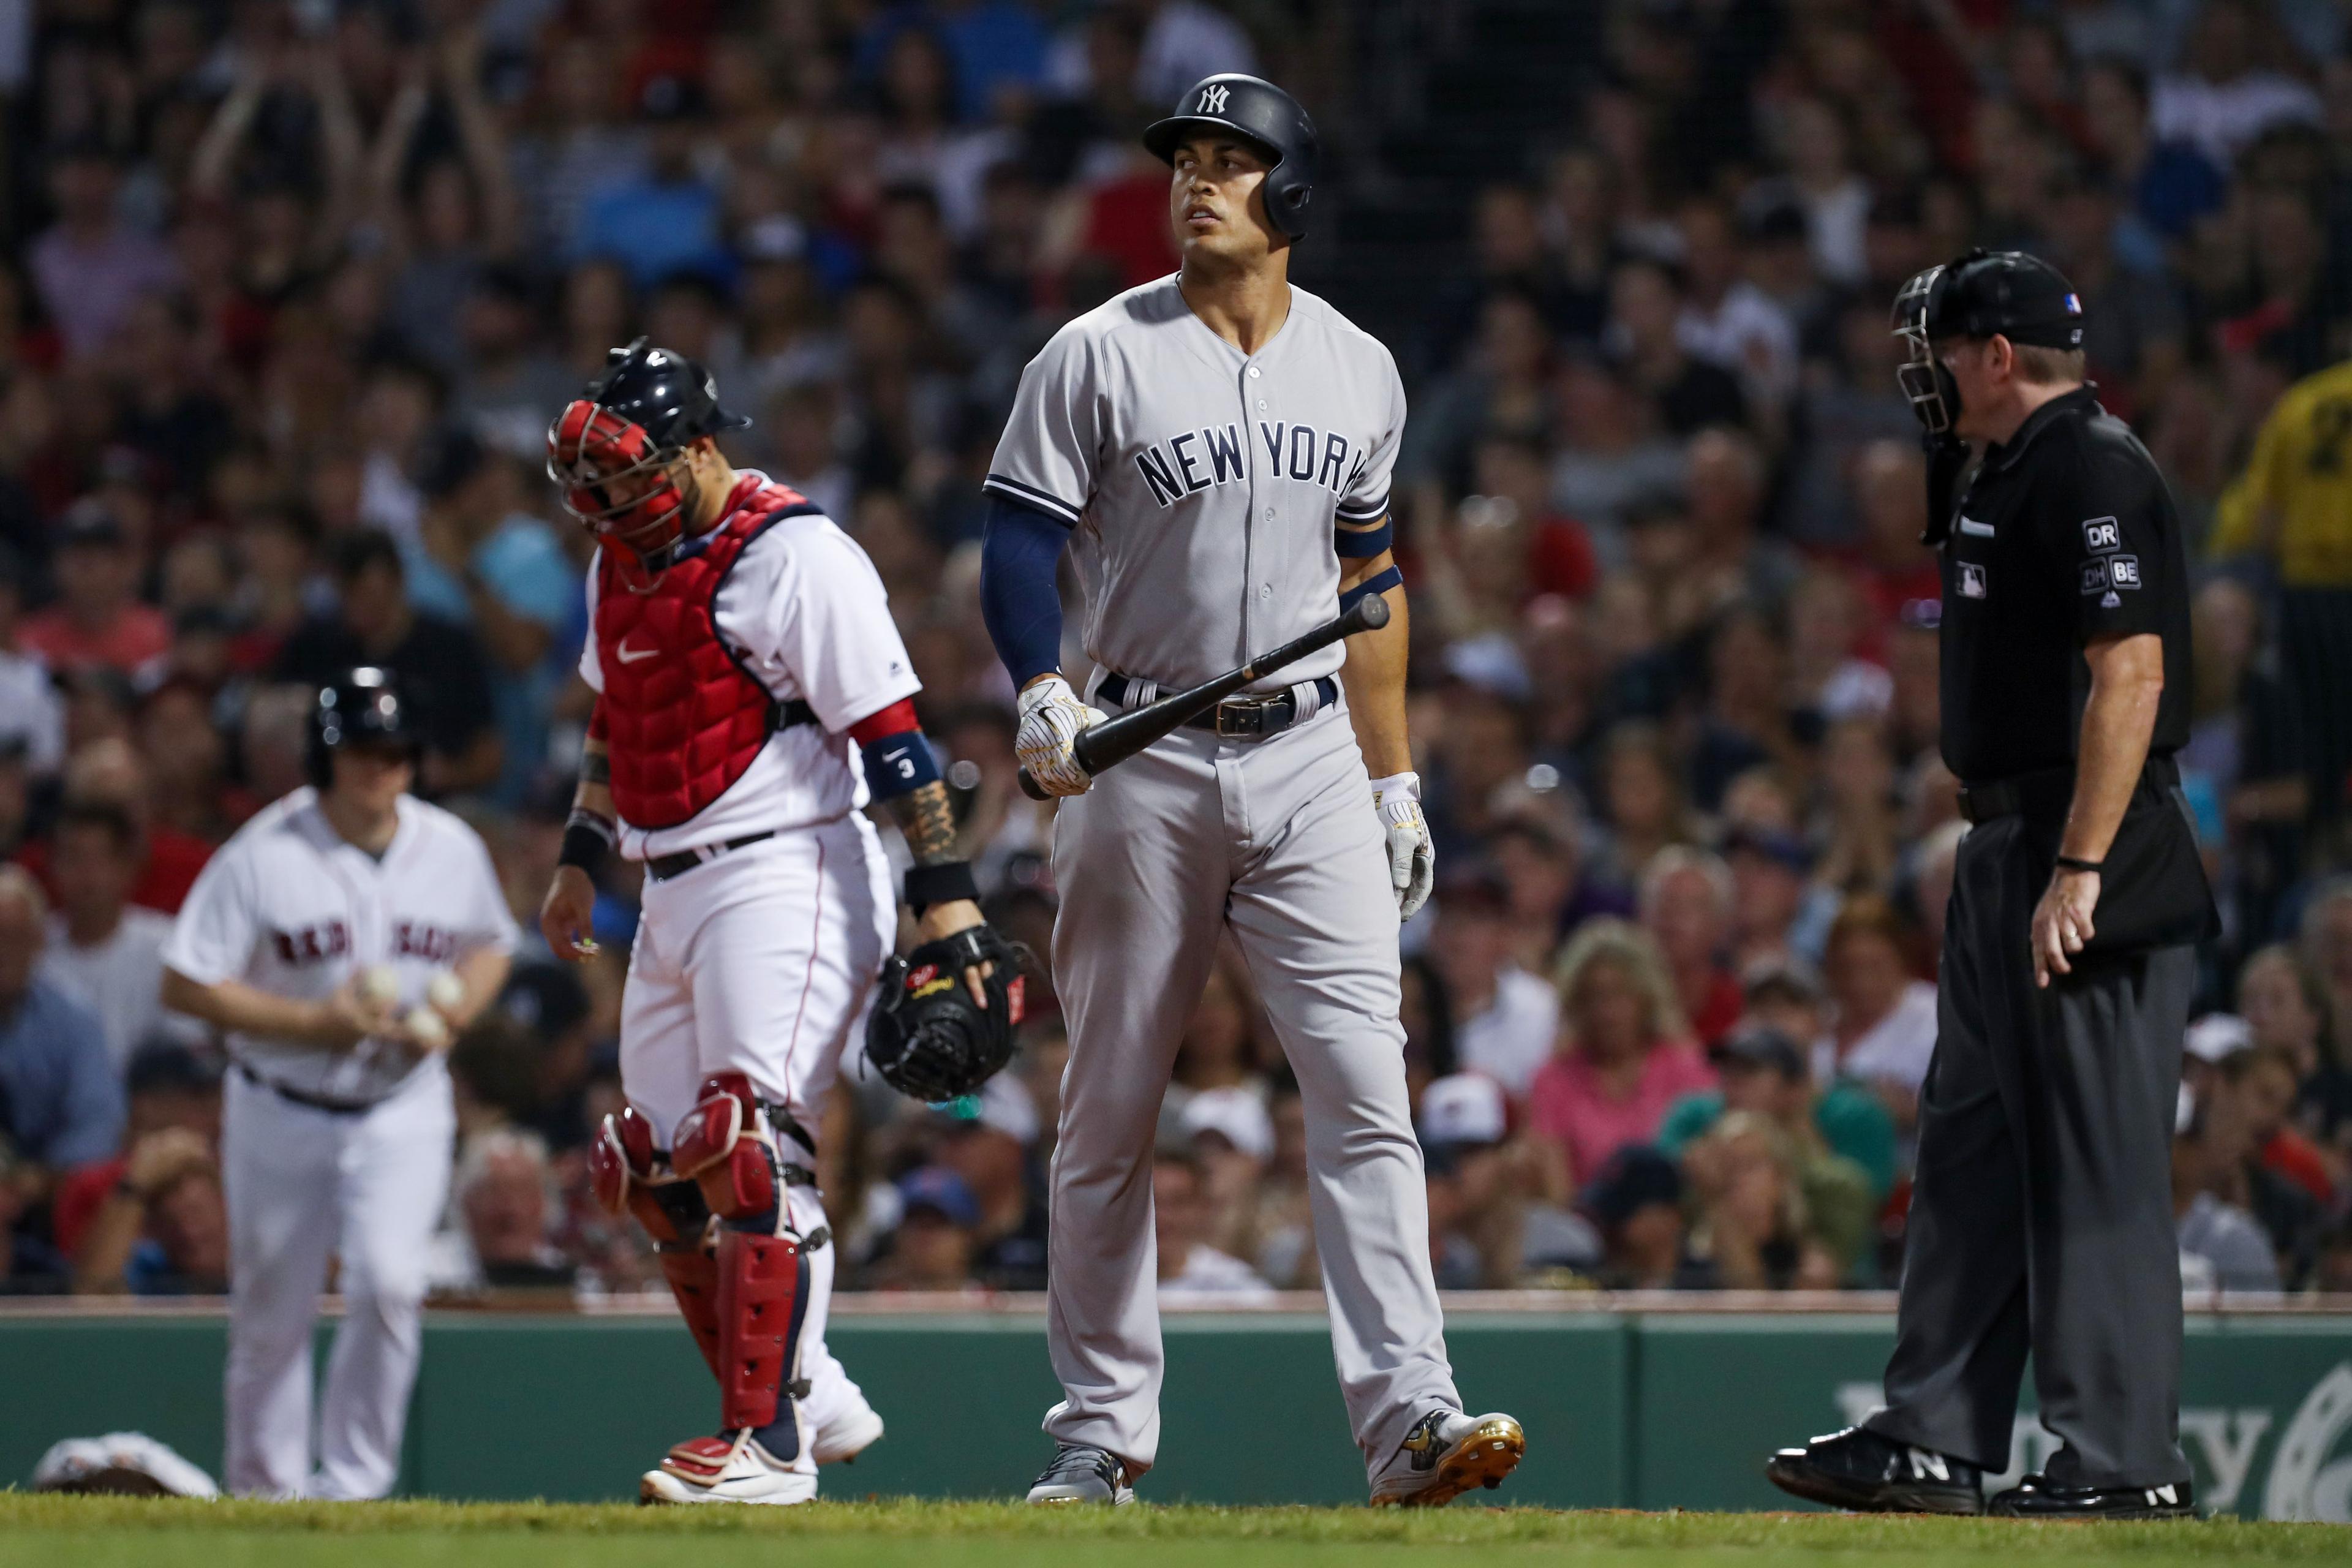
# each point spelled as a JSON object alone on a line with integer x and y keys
{"x": 2066, "y": 535}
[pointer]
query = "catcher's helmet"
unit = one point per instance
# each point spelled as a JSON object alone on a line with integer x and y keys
{"x": 2021, "y": 297}
{"x": 630, "y": 423}
{"x": 360, "y": 707}
{"x": 1256, "y": 109}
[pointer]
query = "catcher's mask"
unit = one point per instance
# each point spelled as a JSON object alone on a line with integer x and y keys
{"x": 1985, "y": 293}
{"x": 614, "y": 453}
{"x": 1934, "y": 396}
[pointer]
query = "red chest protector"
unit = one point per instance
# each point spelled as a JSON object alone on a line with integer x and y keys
{"x": 682, "y": 716}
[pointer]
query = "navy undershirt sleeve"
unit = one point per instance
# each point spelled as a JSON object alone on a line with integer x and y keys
{"x": 1018, "y": 553}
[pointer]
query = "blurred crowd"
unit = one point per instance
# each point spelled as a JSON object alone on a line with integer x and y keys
{"x": 290, "y": 289}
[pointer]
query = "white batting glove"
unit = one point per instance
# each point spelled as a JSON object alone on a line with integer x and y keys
{"x": 1412, "y": 859}
{"x": 1051, "y": 718}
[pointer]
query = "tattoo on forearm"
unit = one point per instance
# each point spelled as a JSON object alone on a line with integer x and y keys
{"x": 927, "y": 817}
{"x": 595, "y": 768}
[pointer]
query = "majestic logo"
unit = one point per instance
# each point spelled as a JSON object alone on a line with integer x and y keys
{"x": 2101, "y": 534}
{"x": 1213, "y": 101}
{"x": 1972, "y": 580}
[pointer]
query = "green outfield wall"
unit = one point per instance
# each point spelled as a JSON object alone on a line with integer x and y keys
{"x": 1643, "y": 1410}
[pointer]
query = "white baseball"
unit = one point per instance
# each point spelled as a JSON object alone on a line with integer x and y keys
{"x": 429, "y": 1028}
{"x": 445, "y": 990}
{"x": 378, "y": 987}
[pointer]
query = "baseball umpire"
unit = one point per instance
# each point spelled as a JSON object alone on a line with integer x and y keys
{"x": 1214, "y": 449}
{"x": 2042, "y": 1218}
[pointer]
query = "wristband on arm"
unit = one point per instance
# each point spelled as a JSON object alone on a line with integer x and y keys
{"x": 587, "y": 839}
{"x": 2077, "y": 863}
{"x": 941, "y": 883}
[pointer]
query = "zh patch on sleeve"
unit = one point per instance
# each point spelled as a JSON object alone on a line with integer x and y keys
{"x": 2101, "y": 534}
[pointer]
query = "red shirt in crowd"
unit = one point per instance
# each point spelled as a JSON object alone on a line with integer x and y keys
{"x": 1560, "y": 559}
{"x": 134, "y": 638}
{"x": 174, "y": 859}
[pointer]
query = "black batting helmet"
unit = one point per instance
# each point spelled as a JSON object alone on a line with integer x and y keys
{"x": 634, "y": 419}
{"x": 360, "y": 707}
{"x": 2021, "y": 297}
{"x": 1255, "y": 109}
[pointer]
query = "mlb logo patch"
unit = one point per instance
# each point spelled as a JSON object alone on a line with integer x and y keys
{"x": 2101, "y": 534}
{"x": 1972, "y": 580}
{"x": 2073, "y": 304}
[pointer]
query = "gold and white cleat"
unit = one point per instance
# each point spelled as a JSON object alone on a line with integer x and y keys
{"x": 1447, "y": 1454}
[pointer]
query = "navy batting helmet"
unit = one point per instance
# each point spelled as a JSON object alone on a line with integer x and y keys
{"x": 1259, "y": 112}
{"x": 2021, "y": 297}
{"x": 360, "y": 707}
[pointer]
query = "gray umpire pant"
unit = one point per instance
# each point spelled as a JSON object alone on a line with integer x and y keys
{"x": 1277, "y": 840}
{"x": 2041, "y": 1216}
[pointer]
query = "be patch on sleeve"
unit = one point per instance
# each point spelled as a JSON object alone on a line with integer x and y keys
{"x": 2112, "y": 572}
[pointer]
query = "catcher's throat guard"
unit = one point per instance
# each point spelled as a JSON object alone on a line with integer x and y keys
{"x": 926, "y": 1035}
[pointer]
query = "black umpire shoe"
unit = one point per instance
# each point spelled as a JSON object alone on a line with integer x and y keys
{"x": 1858, "y": 1469}
{"x": 2035, "y": 1497}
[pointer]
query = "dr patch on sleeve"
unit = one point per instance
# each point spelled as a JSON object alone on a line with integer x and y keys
{"x": 2101, "y": 534}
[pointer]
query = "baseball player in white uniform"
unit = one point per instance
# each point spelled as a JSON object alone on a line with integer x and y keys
{"x": 753, "y": 695}
{"x": 339, "y": 940}
{"x": 1214, "y": 449}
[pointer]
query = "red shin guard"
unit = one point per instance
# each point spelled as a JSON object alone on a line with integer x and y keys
{"x": 758, "y": 1281}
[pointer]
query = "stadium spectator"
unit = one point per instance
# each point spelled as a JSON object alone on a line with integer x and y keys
{"x": 1191, "y": 1270}
{"x": 1623, "y": 1060}
{"x": 1686, "y": 907}
{"x": 60, "y": 1095}
{"x": 103, "y": 951}
{"x": 1636, "y": 1202}
{"x": 1750, "y": 1219}
{"x": 98, "y": 619}
{"x": 504, "y": 1194}
{"x": 932, "y": 1247}
{"x": 2286, "y": 1010}
{"x": 1885, "y": 1030}
{"x": 374, "y": 623}
{"x": 1503, "y": 1018}
{"x": 162, "y": 1229}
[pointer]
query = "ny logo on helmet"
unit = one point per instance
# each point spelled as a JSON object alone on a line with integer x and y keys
{"x": 1213, "y": 100}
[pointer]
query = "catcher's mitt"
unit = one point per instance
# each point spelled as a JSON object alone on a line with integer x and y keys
{"x": 926, "y": 1035}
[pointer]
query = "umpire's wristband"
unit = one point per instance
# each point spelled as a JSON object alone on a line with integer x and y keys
{"x": 941, "y": 883}
{"x": 587, "y": 839}
{"x": 2077, "y": 863}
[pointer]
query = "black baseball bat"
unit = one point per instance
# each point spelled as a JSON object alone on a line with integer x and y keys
{"x": 1115, "y": 738}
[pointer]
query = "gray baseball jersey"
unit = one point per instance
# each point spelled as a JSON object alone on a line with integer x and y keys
{"x": 1204, "y": 483}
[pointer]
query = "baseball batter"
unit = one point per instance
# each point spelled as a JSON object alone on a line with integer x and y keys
{"x": 339, "y": 941}
{"x": 752, "y": 694}
{"x": 1214, "y": 451}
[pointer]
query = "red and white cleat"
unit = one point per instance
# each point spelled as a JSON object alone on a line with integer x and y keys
{"x": 726, "y": 1468}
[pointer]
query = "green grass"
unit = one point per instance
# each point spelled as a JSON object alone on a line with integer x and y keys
{"x": 105, "y": 1533}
